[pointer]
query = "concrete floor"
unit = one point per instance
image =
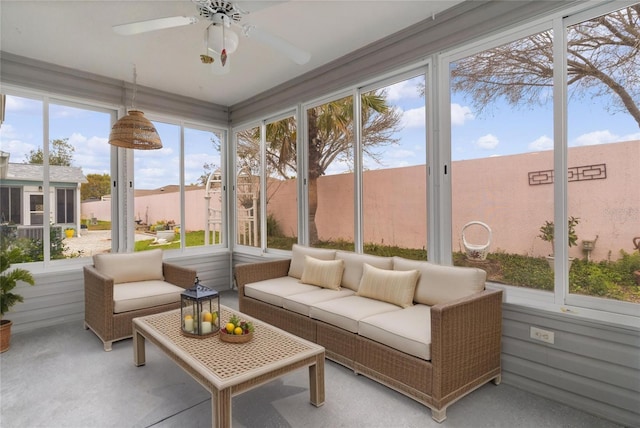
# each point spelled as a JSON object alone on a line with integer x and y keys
{"x": 61, "y": 377}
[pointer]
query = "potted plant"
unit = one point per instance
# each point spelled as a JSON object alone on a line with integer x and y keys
{"x": 547, "y": 231}
{"x": 69, "y": 232}
{"x": 8, "y": 281}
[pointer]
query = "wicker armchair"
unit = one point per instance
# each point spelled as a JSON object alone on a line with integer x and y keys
{"x": 100, "y": 312}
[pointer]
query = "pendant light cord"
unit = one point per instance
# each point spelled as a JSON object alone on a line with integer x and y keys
{"x": 135, "y": 87}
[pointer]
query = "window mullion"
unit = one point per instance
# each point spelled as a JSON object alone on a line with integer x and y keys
{"x": 561, "y": 250}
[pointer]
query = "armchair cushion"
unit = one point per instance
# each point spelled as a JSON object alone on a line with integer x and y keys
{"x": 131, "y": 296}
{"x": 130, "y": 267}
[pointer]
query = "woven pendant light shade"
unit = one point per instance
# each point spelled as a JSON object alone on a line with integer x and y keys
{"x": 134, "y": 131}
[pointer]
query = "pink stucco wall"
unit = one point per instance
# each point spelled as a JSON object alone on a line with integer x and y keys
{"x": 494, "y": 190}
{"x": 157, "y": 207}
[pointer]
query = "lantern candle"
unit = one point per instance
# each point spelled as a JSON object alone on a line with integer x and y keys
{"x": 206, "y": 327}
{"x": 188, "y": 323}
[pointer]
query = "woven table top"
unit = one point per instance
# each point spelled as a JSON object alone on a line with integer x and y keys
{"x": 270, "y": 347}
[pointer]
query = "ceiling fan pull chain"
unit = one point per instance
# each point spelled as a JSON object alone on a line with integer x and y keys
{"x": 223, "y": 54}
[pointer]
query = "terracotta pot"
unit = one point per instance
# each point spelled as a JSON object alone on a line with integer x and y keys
{"x": 5, "y": 335}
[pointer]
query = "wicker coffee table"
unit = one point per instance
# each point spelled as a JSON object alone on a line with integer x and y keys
{"x": 228, "y": 369}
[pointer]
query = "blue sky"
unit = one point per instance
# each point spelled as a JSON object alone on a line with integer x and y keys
{"x": 502, "y": 130}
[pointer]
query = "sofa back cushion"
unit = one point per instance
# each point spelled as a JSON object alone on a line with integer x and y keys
{"x": 130, "y": 267}
{"x": 297, "y": 258}
{"x": 323, "y": 273}
{"x": 396, "y": 287}
{"x": 440, "y": 284}
{"x": 353, "y": 266}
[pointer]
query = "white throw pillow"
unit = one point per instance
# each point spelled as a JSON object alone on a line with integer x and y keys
{"x": 297, "y": 258}
{"x": 395, "y": 287}
{"x": 323, "y": 273}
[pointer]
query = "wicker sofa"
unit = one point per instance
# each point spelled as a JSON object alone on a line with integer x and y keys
{"x": 435, "y": 347}
{"x": 120, "y": 287}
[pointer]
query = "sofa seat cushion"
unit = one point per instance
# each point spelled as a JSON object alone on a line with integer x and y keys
{"x": 131, "y": 296}
{"x": 346, "y": 312}
{"x": 274, "y": 290}
{"x": 130, "y": 267}
{"x": 298, "y": 253}
{"x": 353, "y": 266}
{"x": 440, "y": 284}
{"x": 407, "y": 330}
{"x": 302, "y": 302}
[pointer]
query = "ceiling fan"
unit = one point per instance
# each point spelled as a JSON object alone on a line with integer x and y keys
{"x": 219, "y": 38}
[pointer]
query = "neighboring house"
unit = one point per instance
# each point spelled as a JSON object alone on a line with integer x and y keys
{"x": 22, "y": 197}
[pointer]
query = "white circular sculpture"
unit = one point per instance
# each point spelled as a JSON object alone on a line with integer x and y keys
{"x": 476, "y": 251}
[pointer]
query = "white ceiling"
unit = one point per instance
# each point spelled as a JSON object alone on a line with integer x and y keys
{"x": 78, "y": 34}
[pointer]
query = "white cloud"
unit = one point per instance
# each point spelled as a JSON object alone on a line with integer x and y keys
{"x": 603, "y": 137}
{"x": 460, "y": 114}
{"x": 487, "y": 142}
{"x": 595, "y": 137}
{"x": 404, "y": 90}
{"x": 17, "y": 104}
{"x": 542, "y": 143}
{"x": 414, "y": 118}
{"x": 7, "y": 131}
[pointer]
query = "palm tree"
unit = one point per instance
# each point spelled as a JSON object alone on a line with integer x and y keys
{"x": 330, "y": 137}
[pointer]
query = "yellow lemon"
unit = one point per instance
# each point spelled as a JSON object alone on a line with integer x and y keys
{"x": 237, "y": 331}
{"x": 230, "y": 327}
{"x": 207, "y": 317}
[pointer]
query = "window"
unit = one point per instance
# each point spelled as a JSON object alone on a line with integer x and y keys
{"x": 282, "y": 183}
{"x": 188, "y": 168}
{"x": 79, "y": 177}
{"x": 10, "y": 205}
{"x": 65, "y": 205}
{"x": 330, "y": 156}
{"x": 502, "y": 161}
{"x": 204, "y": 186}
{"x": 248, "y": 187}
{"x": 394, "y": 177}
{"x": 556, "y": 191}
{"x": 603, "y": 150}
{"x": 21, "y": 139}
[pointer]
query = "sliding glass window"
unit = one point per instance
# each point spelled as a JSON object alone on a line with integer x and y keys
{"x": 330, "y": 187}
{"x": 394, "y": 170}
{"x": 603, "y": 105}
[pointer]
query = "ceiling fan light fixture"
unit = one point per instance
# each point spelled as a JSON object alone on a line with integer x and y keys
{"x": 218, "y": 42}
{"x": 134, "y": 131}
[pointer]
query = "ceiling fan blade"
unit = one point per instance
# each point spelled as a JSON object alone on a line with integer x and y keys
{"x": 296, "y": 54}
{"x": 153, "y": 25}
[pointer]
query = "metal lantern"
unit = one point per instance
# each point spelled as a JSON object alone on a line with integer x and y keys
{"x": 200, "y": 311}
